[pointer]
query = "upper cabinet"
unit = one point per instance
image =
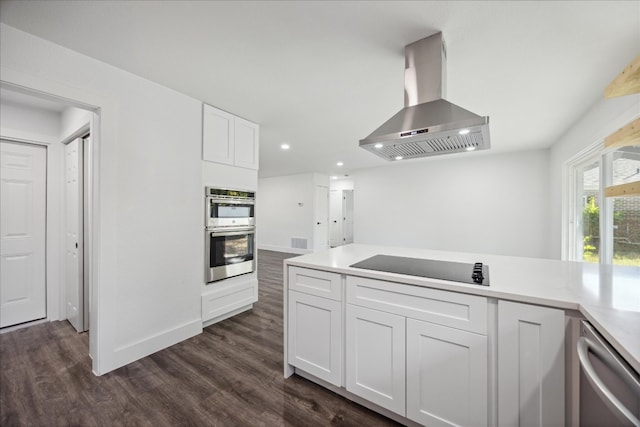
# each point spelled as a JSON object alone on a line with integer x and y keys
{"x": 229, "y": 139}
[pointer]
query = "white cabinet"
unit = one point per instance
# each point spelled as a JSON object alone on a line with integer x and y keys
{"x": 223, "y": 300}
{"x": 314, "y": 323}
{"x": 434, "y": 357}
{"x": 419, "y": 352}
{"x": 530, "y": 365}
{"x": 375, "y": 357}
{"x": 446, "y": 375}
{"x": 229, "y": 139}
{"x": 315, "y": 336}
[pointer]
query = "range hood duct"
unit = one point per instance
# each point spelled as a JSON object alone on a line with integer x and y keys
{"x": 428, "y": 125}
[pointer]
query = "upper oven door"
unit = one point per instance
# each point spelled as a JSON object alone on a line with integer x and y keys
{"x": 230, "y": 213}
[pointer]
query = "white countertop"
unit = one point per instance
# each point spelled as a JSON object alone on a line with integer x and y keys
{"x": 608, "y": 296}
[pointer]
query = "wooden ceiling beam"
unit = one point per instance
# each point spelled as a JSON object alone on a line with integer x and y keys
{"x": 622, "y": 190}
{"x": 627, "y": 136}
{"x": 627, "y": 82}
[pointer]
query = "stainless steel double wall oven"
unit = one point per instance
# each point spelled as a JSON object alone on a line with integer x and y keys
{"x": 230, "y": 233}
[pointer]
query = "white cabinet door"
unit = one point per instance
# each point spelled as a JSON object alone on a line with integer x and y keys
{"x": 315, "y": 336}
{"x": 375, "y": 357}
{"x": 446, "y": 375}
{"x": 246, "y": 144}
{"x": 229, "y": 139}
{"x": 22, "y": 233}
{"x": 530, "y": 365}
{"x": 217, "y": 135}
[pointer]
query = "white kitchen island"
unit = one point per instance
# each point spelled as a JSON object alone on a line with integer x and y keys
{"x": 435, "y": 352}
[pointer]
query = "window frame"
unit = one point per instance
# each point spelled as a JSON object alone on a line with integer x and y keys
{"x": 572, "y": 188}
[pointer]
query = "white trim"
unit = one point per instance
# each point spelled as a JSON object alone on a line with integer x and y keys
{"x": 27, "y": 137}
{"x": 569, "y": 190}
{"x": 227, "y": 315}
{"x": 569, "y": 195}
{"x": 80, "y": 132}
{"x": 137, "y": 350}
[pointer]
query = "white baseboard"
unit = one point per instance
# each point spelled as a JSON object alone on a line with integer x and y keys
{"x": 131, "y": 352}
{"x": 227, "y": 315}
{"x": 285, "y": 249}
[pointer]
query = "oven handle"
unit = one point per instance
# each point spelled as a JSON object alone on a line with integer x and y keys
{"x": 585, "y": 346}
{"x": 234, "y": 232}
{"x": 231, "y": 201}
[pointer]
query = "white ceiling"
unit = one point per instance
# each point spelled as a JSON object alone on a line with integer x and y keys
{"x": 322, "y": 75}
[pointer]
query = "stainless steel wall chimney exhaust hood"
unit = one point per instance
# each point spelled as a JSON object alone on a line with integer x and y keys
{"x": 428, "y": 125}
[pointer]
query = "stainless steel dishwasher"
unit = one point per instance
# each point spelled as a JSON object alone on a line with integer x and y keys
{"x": 609, "y": 387}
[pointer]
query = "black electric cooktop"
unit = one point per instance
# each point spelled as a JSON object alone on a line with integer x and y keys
{"x": 475, "y": 274}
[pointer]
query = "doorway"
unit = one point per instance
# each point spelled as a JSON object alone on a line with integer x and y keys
{"x": 341, "y": 205}
{"x": 38, "y": 273}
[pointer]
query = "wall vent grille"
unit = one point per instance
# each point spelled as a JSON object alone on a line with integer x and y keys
{"x": 299, "y": 243}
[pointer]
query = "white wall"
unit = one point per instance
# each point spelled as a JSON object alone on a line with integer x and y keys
{"x": 473, "y": 202}
{"x": 148, "y": 219}
{"x": 38, "y": 123}
{"x": 341, "y": 184}
{"x": 284, "y": 209}
{"x": 602, "y": 119}
{"x": 72, "y": 120}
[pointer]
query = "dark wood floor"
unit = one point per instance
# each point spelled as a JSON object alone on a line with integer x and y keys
{"x": 230, "y": 375}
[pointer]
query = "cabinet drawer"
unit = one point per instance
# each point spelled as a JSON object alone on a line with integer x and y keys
{"x": 315, "y": 282}
{"x": 223, "y": 299}
{"x": 461, "y": 311}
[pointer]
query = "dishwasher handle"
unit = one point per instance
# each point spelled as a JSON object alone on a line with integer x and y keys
{"x": 585, "y": 346}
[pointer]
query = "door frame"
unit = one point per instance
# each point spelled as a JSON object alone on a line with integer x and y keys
{"x": 48, "y": 299}
{"x": 86, "y": 232}
{"x": 103, "y": 127}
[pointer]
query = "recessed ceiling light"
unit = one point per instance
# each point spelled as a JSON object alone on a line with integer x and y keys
{"x": 285, "y": 146}
{"x": 339, "y": 164}
{"x": 471, "y": 148}
{"x": 378, "y": 145}
{"x": 334, "y": 177}
{"x": 464, "y": 131}
{"x": 398, "y": 157}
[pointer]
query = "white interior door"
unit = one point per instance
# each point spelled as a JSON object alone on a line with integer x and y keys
{"x": 347, "y": 216}
{"x": 22, "y": 232}
{"x": 321, "y": 218}
{"x": 74, "y": 230}
{"x": 335, "y": 218}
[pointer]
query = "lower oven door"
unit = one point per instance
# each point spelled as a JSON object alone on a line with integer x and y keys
{"x": 229, "y": 253}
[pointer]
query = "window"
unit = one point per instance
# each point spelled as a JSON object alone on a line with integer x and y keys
{"x": 603, "y": 229}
